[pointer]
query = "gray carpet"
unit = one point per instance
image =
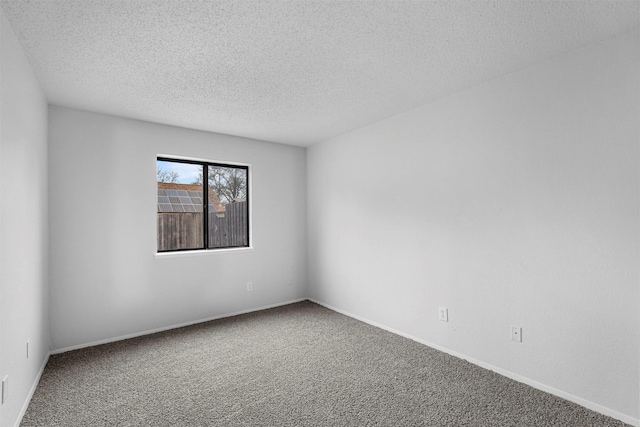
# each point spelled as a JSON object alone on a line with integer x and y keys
{"x": 296, "y": 365}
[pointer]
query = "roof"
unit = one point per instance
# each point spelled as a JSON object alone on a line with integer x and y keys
{"x": 173, "y": 197}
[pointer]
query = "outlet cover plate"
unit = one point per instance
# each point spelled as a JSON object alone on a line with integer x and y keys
{"x": 443, "y": 314}
{"x": 516, "y": 333}
{"x": 5, "y": 389}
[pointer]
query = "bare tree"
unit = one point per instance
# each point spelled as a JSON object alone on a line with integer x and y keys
{"x": 167, "y": 176}
{"x": 230, "y": 184}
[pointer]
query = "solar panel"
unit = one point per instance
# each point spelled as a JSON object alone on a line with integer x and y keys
{"x": 181, "y": 201}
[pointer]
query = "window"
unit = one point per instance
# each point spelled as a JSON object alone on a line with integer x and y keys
{"x": 194, "y": 213}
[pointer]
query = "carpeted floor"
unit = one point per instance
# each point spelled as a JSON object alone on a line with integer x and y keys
{"x": 296, "y": 365}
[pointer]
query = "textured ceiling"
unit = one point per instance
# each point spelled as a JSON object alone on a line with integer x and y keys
{"x": 295, "y": 72}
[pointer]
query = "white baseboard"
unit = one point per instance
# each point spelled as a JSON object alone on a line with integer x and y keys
{"x": 33, "y": 390}
{"x": 535, "y": 384}
{"x": 166, "y": 328}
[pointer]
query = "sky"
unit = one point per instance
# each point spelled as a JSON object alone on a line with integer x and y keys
{"x": 188, "y": 173}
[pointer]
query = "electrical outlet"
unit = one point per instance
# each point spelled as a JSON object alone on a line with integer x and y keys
{"x": 516, "y": 333}
{"x": 5, "y": 389}
{"x": 249, "y": 286}
{"x": 443, "y": 314}
{"x": 28, "y": 342}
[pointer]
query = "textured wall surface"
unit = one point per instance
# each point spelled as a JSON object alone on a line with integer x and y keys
{"x": 106, "y": 280}
{"x": 24, "y": 311}
{"x": 290, "y": 71}
{"x": 513, "y": 203}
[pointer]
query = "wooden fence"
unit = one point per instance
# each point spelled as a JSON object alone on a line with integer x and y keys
{"x": 230, "y": 229}
{"x": 183, "y": 230}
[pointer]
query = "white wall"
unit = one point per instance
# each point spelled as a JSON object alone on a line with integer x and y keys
{"x": 514, "y": 202}
{"x": 23, "y": 227}
{"x": 106, "y": 280}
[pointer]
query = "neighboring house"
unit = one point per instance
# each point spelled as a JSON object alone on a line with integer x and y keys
{"x": 174, "y": 197}
{"x": 179, "y": 228}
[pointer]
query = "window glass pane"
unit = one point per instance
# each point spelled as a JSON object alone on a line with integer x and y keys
{"x": 228, "y": 207}
{"x": 178, "y": 229}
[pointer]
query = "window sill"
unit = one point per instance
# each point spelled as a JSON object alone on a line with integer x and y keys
{"x": 200, "y": 252}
